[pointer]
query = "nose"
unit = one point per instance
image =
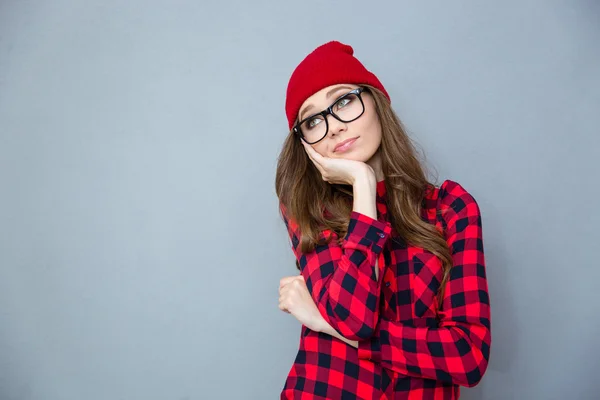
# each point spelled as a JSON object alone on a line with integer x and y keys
{"x": 335, "y": 125}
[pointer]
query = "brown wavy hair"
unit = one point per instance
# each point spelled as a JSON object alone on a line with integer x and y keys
{"x": 317, "y": 205}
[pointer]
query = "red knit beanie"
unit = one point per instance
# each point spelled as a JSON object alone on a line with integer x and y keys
{"x": 329, "y": 64}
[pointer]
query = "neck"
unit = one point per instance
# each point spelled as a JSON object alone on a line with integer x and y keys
{"x": 375, "y": 163}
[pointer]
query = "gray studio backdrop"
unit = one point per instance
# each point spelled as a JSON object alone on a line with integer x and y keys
{"x": 140, "y": 244}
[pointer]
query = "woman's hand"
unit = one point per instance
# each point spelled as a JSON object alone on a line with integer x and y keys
{"x": 338, "y": 170}
{"x": 295, "y": 299}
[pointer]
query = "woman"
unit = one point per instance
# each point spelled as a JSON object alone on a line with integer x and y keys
{"x": 392, "y": 295}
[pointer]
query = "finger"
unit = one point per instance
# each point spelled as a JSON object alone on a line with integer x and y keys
{"x": 317, "y": 160}
{"x": 285, "y": 280}
{"x": 288, "y": 289}
{"x": 291, "y": 288}
{"x": 284, "y": 289}
{"x": 296, "y": 283}
{"x": 313, "y": 154}
{"x": 318, "y": 165}
{"x": 282, "y": 308}
{"x": 311, "y": 157}
{"x": 291, "y": 281}
{"x": 284, "y": 304}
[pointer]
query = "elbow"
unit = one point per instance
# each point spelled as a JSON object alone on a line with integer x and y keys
{"x": 473, "y": 377}
{"x": 466, "y": 378}
{"x": 476, "y": 357}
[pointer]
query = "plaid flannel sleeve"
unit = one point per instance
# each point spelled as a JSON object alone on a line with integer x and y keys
{"x": 457, "y": 350}
{"x": 341, "y": 277}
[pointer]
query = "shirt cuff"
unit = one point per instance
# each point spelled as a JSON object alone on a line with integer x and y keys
{"x": 366, "y": 231}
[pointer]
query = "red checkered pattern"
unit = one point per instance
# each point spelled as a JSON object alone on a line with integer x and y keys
{"x": 410, "y": 347}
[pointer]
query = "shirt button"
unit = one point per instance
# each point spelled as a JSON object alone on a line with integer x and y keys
{"x": 387, "y": 284}
{"x": 381, "y": 235}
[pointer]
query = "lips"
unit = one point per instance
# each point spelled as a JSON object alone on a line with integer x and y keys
{"x": 345, "y": 145}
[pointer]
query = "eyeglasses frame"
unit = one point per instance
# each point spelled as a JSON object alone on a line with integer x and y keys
{"x": 329, "y": 111}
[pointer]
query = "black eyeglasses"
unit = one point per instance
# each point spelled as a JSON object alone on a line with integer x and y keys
{"x": 346, "y": 108}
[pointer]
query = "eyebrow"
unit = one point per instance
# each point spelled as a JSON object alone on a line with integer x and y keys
{"x": 327, "y": 95}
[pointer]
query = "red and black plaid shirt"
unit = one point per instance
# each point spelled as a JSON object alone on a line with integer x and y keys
{"x": 409, "y": 347}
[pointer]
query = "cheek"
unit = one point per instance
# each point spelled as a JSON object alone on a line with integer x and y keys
{"x": 372, "y": 119}
{"x": 371, "y": 128}
{"x": 321, "y": 148}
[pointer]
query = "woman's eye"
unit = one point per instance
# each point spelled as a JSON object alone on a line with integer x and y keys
{"x": 313, "y": 122}
{"x": 342, "y": 103}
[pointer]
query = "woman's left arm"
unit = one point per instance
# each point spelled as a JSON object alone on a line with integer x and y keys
{"x": 457, "y": 350}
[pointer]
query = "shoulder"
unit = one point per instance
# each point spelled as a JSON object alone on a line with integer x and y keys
{"x": 455, "y": 201}
{"x": 453, "y": 193}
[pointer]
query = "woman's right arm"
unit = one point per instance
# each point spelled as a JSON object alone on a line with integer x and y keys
{"x": 364, "y": 191}
{"x": 345, "y": 280}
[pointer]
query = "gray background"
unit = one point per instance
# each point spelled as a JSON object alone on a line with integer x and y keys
{"x": 140, "y": 244}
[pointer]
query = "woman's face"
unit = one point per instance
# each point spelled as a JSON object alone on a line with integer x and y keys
{"x": 363, "y": 133}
